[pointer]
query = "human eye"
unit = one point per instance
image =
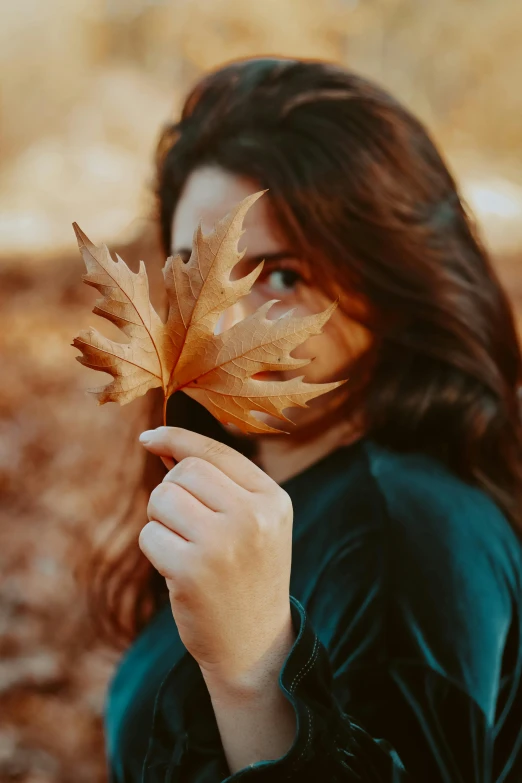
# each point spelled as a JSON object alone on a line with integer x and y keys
{"x": 280, "y": 279}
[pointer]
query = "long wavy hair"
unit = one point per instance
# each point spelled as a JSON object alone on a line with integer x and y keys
{"x": 359, "y": 188}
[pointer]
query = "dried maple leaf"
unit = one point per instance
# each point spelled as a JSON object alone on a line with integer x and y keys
{"x": 184, "y": 354}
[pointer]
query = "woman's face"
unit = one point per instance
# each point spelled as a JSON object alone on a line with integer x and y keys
{"x": 209, "y": 194}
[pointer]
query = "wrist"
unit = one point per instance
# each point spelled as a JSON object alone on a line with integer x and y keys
{"x": 255, "y": 676}
{"x": 256, "y": 720}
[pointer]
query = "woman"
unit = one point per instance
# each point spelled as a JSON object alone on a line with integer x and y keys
{"x": 398, "y": 655}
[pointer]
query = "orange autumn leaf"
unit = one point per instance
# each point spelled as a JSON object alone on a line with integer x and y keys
{"x": 184, "y": 354}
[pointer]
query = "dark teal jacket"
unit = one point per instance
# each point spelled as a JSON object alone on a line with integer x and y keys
{"x": 406, "y": 599}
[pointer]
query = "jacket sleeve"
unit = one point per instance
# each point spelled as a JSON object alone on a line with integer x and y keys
{"x": 185, "y": 744}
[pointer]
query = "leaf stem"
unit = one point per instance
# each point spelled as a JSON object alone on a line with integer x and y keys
{"x": 165, "y": 400}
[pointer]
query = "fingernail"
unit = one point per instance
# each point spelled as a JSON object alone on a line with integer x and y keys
{"x": 146, "y": 436}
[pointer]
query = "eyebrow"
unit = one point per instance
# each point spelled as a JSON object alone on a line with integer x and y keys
{"x": 185, "y": 252}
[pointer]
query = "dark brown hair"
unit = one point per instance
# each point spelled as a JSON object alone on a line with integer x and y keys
{"x": 358, "y": 187}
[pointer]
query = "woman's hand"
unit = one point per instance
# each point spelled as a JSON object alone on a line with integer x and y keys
{"x": 220, "y": 532}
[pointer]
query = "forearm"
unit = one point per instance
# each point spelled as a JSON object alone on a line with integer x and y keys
{"x": 255, "y": 720}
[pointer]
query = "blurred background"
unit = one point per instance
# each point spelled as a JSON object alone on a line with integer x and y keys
{"x": 85, "y": 86}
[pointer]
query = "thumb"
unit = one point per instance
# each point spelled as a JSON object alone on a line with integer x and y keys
{"x": 167, "y": 460}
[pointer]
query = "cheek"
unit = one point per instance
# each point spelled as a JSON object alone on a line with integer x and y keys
{"x": 341, "y": 342}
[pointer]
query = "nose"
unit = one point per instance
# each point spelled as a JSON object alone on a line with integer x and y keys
{"x": 237, "y": 312}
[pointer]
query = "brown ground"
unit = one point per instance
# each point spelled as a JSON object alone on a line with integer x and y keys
{"x": 57, "y": 454}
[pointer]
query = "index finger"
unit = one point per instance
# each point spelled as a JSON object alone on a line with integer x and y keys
{"x": 179, "y": 443}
